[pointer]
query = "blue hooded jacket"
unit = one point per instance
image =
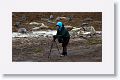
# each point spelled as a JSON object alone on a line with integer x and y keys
{"x": 62, "y": 31}
{"x": 60, "y": 24}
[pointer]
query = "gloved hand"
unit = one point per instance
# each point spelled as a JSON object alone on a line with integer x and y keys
{"x": 54, "y": 37}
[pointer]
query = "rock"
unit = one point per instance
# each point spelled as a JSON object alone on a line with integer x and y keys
{"x": 75, "y": 29}
{"x": 69, "y": 27}
{"x": 84, "y": 24}
{"x": 17, "y": 24}
{"x": 38, "y": 25}
{"x": 75, "y": 32}
{"x": 99, "y": 32}
{"x": 88, "y": 19}
{"x": 70, "y": 18}
{"x": 51, "y": 17}
{"x": 61, "y": 18}
{"x": 22, "y": 30}
{"x": 44, "y": 19}
{"x": 92, "y": 31}
{"x": 35, "y": 24}
{"x": 43, "y": 26}
{"x": 23, "y": 18}
{"x": 58, "y": 18}
{"x": 36, "y": 28}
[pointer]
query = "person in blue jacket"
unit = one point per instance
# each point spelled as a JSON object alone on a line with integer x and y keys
{"x": 63, "y": 37}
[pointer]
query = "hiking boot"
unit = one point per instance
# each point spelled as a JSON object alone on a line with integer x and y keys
{"x": 63, "y": 54}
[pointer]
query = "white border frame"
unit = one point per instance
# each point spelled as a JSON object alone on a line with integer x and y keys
{"x": 104, "y": 67}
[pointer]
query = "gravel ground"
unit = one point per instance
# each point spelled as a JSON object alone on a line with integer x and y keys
{"x": 37, "y": 50}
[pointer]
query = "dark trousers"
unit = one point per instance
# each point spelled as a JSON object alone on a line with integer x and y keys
{"x": 64, "y": 44}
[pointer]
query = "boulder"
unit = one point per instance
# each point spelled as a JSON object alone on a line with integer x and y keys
{"x": 75, "y": 31}
{"x": 22, "y": 30}
{"x": 69, "y": 27}
{"x": 35, "y": 28}
{"x": 43, "y": 26}
{"x": 35, "y": 24}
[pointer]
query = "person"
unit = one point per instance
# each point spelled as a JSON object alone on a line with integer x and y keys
{"x": 63, "y": 37}
{"x": 51, "y": 17}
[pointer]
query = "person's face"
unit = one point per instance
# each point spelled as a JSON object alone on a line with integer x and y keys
{"x": 57, "y": 27}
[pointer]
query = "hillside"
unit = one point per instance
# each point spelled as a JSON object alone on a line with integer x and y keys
{"x": 77, "y": 18}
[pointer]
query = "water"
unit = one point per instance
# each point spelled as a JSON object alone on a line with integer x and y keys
{"x": 48, "y": 33}
{"x": 35, "y": 34}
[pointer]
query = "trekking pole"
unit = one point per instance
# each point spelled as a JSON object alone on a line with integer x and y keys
{"x": 57, "y": 47}
{"x": 50, "y": 49}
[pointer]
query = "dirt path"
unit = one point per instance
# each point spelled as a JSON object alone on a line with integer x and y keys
{"x": 37, "y": 50}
